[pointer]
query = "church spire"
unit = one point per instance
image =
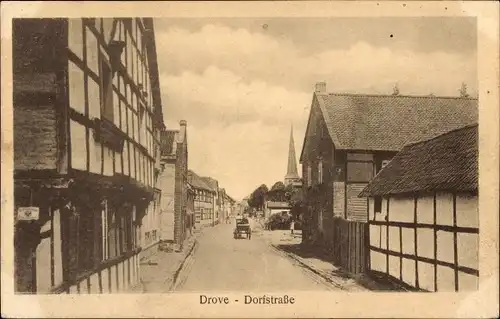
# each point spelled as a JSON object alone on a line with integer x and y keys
{"x": 291, "y": 174}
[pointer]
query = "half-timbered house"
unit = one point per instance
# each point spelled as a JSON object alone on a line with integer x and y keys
{"x": 203, "y": 200}
{"x": 214, "y": 186}
{"x": 349, "y": 138}
{"x": 87, "y": 116}
{"x": 423, "y": 214}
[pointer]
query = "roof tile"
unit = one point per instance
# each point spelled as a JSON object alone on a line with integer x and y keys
{"x": 448, "y": 162}
{"x": 388, "y": 122}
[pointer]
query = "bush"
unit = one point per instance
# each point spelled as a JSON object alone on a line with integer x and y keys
{"x": 278, "y": 221}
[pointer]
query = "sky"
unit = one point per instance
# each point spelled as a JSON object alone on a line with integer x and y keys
{"x": 241, "y": 83}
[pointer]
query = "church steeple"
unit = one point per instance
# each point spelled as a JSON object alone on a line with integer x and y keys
{"x": 291, "y": 174}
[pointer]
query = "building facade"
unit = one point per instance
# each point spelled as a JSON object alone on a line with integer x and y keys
{"x": 271, "y": 208}
{"x": 214, "y": 186}
{"x": 350, "y": 137}
{"x": 190, "y": 216}
{"x": 204, "y": 200}
{"x": 87, "y": 116}
{"x": 424, "y": 232}
{"x": 173, "y": 182}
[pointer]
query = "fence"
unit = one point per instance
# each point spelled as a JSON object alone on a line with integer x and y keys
{"x": 350, "y": 241}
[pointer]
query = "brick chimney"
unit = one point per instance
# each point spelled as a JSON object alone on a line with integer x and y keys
{"x": 320, "y": 87}
{"x": 182, "y": 132}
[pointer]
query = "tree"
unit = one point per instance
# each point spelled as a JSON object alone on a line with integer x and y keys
{"x": 295, "y": 197}
{"x": 277, "y": 192}
{"x": 258, "y": 197}
{"x": 278, "y": 186}
{"x": 463, "y": 91}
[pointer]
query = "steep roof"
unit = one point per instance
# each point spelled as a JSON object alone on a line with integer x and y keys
{"x": 388, "y": 122}
{"x": 212, "y": 183}
{"x": 197, "y": 182}
{"x": 168, "y": 142}
{"x": 448, "y": 162}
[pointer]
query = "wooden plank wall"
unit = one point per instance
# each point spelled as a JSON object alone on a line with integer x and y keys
{"x": 349, "y": 245}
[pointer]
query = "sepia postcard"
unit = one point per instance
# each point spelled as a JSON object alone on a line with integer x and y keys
{"x": 250, "y": 159}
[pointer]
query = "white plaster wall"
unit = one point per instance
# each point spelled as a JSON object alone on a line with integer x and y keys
{"x": 467, "y": 282}
{"x": 119, "y": 269}
{"x": 375, "y": 235}
{"x": 383, "y": 237}
{"x": 94, "y": 153}
{"x": 445, "y": 279}
{"x": 394, "y": 266}
{"x": 444, "y": 209}
{"x": 84, "y": 289}
{"x": 426, "y": 276}
{"x": 445, "y": 246}
{"x": 43, "y": 262}
{"x": 409, "y": 271}
{"x": 468, "y": 250}
{"x": 383, "y": 213}
{"x": 394, "y": 239}
{"x": 425, "y": 210}
{"x": 401, "y": 209}
{"x": 371, "y": 206}
{"x": 108, "y": 161}
{"x": 467, "y": 211}
{"x": 408, "y": 237}
{"x": 78, "y": 146}
{"x": 113, "y": 279}
{"x": 94, "y": 283}
{"x": 105, "y": 281}
{"x": 377, "y": 261}
{"x": 58, "y": 271}
{"x": 425, "y": 242}
{"x": 126, "y": 170}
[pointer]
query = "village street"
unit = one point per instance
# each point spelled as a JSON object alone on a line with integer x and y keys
{"x": 221, "y": 263}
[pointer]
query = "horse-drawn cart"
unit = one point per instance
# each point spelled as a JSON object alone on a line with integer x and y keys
{"x": 242, "y": 227}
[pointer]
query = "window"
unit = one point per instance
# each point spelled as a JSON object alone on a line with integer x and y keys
{"x": 309, "y": 175}
{"x": 112, "y": 232}
{"x": 320, "y": 172}
{"x": 359, "y": 171}
{"x": 106, "y": 90}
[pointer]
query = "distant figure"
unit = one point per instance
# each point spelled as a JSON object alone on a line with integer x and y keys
{"x": 292, "y": 226}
